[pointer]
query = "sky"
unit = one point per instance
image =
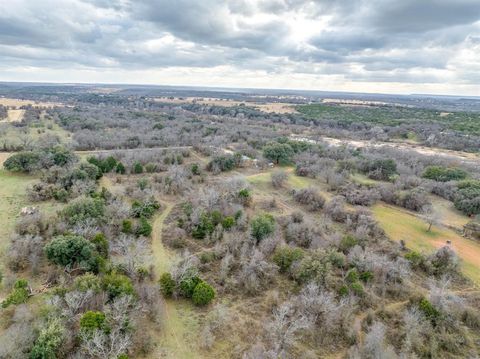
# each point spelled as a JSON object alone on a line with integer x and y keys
{"x": 388, "y": 46}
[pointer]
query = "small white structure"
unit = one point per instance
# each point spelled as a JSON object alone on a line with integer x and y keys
{"x": 28, "y": 211}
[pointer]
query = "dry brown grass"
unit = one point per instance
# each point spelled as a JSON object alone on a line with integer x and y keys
{"x": 277, "y": 107}
{"x": 13, "y": 102}
{"x": 15, "y": 116}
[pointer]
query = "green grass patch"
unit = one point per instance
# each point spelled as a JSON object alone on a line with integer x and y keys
{"x": 400, "y": 225}
{"x": 12, "y": 199}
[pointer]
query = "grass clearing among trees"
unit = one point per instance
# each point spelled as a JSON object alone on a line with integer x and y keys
{"x": 401, "y": 225}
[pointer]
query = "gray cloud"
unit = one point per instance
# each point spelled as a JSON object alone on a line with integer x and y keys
{"x": 376, "y": 40}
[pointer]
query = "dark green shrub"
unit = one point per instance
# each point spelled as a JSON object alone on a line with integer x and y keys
{"x": 352, "y": 276}
{"x": 127, "y": 226}
{"x": 262, "y": 226}
{"x": 444, "y": 174}
{"x": 203, "y": 294}
{"x": 117, "y": 285}
{"x": 285, "y": 256}
{"x": 90, "y": 321}
{"x": 49, "y": 341}
{"x": 167, "y": 285}
{"x": 343, "y": 291}
{"x": 137, "y": 168}
{"x": 205, "y": 227}
{"x": 357, "y": 289}
{"x": 366, "y": 276}
{"x": 101, "y": 244}
{"x": 244, "y": 196}
{"x": 314, "y": 267}
{"x": 145, "y": 209}
{"x": 61, "y": 195}
{"x": 92, "y": 171}
{"x": 108, "y": 164}
{"x": 347, "y": 242}
{"x": 279, "y": 153}
{"x": 62, "y": 156}
{"x": 228, "y": 222}
{"x": 72, "y": 250}
{"x": 467, "y": 197}
{"x": 381, "y": 169}
{"x": 337, "y": 259}
{"x": 222, "y": 163}
{"x": 187, "y": 286}
{"x": 429, "y": 310}
{"x": 82, "y": 209}
{"x": 18, "y": 295}
{"x": 195, "y": 168}
{"x": 144, "y": 228}
{"x": 415, "y": 258}
{"x": 158, "y": 126}
{"x": 120, "y": 168}
{"x": 23, "y": 162}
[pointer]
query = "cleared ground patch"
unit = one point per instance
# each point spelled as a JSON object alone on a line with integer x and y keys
{"x": 14, "y": 116}
{"x": 179, "y": 324}
{"x": 12, "y": 199}
{"x": 15, "y": 102}
{"x": 277, "y": 107}
{"x": 448, "y": 214}
{"x": 401, "y": 225}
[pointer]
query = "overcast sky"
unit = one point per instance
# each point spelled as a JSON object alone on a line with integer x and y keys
{"x": 396, "y": 46}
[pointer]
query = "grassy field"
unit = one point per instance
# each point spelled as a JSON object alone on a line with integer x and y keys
{"x": 448, "y": 214}
{"x": 12, "y": 199}
{"x": 15, "y": 115}
{"x": 401, "y": 225}
{"x": 14, "y": 102}
{"x": 14, "y": 135}
{"x": 277, "y": 107}
{"x": 363, "y": 180}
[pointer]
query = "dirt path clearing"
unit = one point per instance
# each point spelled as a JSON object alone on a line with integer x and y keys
{"x": 175, "y": 336}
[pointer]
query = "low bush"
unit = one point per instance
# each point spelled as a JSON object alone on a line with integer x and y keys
{"x": 144, "y": 228}
{"x": 49, "y": 340}
{"x": 91, "y": 321}
{"x": 23, "y": 162}
{"x": 145, "y": 209}
{"x": 284, "y": 257}
{"x": 429, "y": 310}
{"x": 101, "y": 244}
{"x": 167, "y": 285}
{"x": 309, "y": 197}
{"x": 18, "y": 295}
{"x": 203, "y": 294}
{"x": 444, "y": 174}
{"x": 262, "y": 226}
{"x": 82, "y": 209}
{"x": 187, "y": 286}
{"x": 117, "y": 285}
{"x": 72, "y": 251}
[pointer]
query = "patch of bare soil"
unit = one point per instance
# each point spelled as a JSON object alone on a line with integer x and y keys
{"x": 276, "y": 107}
